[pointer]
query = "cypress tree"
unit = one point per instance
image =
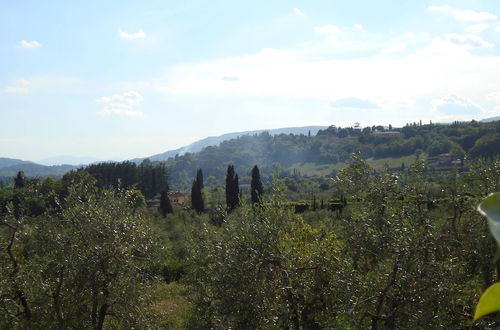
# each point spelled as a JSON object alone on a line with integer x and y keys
{"x": 237, "y": 189}
{"x": 199, "y": 178}
{"x": 256, "y": 186}
{"x": 197, "y": 202}
{"x": 232, "y": 188}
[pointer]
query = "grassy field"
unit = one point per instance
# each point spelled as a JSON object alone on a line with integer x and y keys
{"x": 172, "y": 305}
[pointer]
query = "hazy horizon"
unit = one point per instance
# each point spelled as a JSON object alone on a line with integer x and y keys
{"x": 120, "y": 80}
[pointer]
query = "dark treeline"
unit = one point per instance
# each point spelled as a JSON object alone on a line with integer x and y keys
{"x": 151, "y": 179}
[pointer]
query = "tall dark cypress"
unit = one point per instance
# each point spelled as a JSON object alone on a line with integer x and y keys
{"x": 197, "y": 202}
{"x": 232, "y": 188}
{"x": 199, "y": 178}
{"x": 237, "y": 189}
{"x": 256, "y": 186}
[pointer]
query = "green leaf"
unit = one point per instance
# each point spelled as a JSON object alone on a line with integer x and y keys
{"x": 490, "y": 207}
{"x": 489, "y": 302}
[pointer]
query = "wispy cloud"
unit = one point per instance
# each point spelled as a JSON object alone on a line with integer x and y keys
{"x": 231, "y": 78}
{"x": 327, "y": 29}
{"x": 393, "y": 49}
{"x": 470, "y": 41}
{"x": 19, "y": 86}
{"x": 353, "y": 103}
{"x": 463, "y": 15}
{"x": 477, "y": 28}
{"x": 429, "y": 69}
{"x": 121, "y": 104}
{"x": 29, "y": 44}
{"x": 456, "y": 105}
{"x": 473, "y": 16}
{"x": 297, "y": 11}
{"x": 494, "y": 96}
{"x": 455, "y": 44}
{"x": 45, "y": 84}
{"x": 136, "y": 35}
{"x": 358, "y": 26}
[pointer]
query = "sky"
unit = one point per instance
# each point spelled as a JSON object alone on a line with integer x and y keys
{"x": 125, "y": 79}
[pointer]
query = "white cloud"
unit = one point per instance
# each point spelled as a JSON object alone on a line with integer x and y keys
{"x": 292, "y": 74}
{"x": 463, "y": 15}
{"x": 297, "y": 11}
{"x": 20, "y": 86}
{"x": 121, "y": 104}
{"x": 473, "y": 16}
{"x": 353, "y": 103}
{"x": 456, "y": 105}
{"x": 477, "y": 28}
{"x": 454, "y": 44}
{"x": 498, "y": 28}
{"x": 494, "y": 96}
{"x": 397, "y": 48}
{"x": 403, "y": 84}
{"x": 327, "y": 29}
{"x": 137, "y": 35}
{"x": 231, "y": 78}
{"x": 358, "y": 26}
{"x": 29, "y": 44}
{"x": 470, "y": 41}
{"x": 44, "y": 84}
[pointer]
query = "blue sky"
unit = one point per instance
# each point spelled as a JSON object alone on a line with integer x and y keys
{"x": 124, "y": 79}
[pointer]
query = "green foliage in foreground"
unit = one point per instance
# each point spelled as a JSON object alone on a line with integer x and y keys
{"x": 406, "y": 253}
{"x": 266, "y": 268}
{"x": 80, "y": 265}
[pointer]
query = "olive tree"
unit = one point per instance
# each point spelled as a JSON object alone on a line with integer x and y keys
{"x": 82, "y": 267}
{"x": 266, "y": 268}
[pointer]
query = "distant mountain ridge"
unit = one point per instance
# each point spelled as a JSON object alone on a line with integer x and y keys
{"x": 31, "y": 169}
{"x": 216, "y": 140}
{"x": 6, "y": 162}
{"x": 68, "y": 160}
{"x": 488, "y": 120}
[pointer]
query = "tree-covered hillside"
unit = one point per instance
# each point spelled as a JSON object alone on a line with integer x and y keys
{"x": 334, "y": 145}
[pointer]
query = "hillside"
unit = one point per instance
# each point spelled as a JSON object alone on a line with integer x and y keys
{"x": 330, "y": 148}
{"x": 216, "y": 140}
{"x": 6, "y": 162}
{"x": 35, "y": 170}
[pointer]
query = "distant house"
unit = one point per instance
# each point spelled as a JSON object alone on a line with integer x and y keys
{"x": 445, "y": 160}
{"x": 176, "y": 197}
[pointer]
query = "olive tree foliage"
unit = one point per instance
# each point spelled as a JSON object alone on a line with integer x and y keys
{"x": 416, "y": 266}
{"x": 265, "y": 268}
{"x": 80, "y": 266}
